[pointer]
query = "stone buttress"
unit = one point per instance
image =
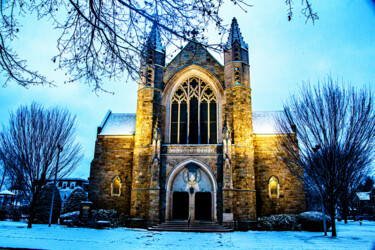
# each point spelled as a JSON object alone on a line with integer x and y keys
{"x": 239, "y": 196}
{"x": 146, "y": 164}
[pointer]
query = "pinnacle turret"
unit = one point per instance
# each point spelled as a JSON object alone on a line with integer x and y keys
{"x": 235, "y": 36}
{"x": 236, "y": 58}
{"x": 154, "y": 39}
{"x": 152, "y": 60}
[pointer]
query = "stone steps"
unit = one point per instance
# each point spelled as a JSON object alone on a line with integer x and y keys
{"x": 182, "y": 226}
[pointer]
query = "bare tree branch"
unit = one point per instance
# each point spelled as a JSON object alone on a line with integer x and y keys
{"x": 101, "y": 40}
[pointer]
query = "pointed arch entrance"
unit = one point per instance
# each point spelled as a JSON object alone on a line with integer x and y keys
{"x": 191, "y": 190}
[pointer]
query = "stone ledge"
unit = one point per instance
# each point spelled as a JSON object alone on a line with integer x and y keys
{"x": 240, "y": 190}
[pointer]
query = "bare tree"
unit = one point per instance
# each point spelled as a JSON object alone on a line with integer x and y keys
{"x": 3, "y": 175}
{"x": 103, "y": 39}
{"x": 28, "y": 147}
{"x": 327, "y": 140}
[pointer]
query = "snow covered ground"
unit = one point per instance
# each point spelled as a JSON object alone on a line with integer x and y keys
{"x": 15, "y": 234}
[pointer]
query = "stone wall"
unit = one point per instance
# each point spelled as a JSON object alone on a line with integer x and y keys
{"x": 113, "y": 157}
{"x": 291, "y": 192}
{"x": 244, "y": 74}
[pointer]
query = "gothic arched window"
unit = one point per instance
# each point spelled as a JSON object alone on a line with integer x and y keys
{"x": 273, "y": 184}
{"x": 194, "y": 113}
{"x": 116, "y": 186}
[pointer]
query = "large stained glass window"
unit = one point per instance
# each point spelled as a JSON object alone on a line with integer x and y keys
{"x": 194, "y": 113}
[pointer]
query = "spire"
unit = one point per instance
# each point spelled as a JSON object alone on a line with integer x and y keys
{"x": 154, "y": 40}
{"x": 235, "y": 35}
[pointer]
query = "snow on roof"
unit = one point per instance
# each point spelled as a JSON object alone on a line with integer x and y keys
{"x": 124, "y": 123}
{"x": 119, "y": 124}
{"x": 7, "y": 192}
{"x": 264, "y": 122}
{"x": 70, "y": 179}
{"x": 363, "y": 196}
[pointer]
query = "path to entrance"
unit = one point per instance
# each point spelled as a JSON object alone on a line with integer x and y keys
{"x": 15, "y": 234}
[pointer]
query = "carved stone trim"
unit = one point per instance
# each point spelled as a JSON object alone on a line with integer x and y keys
{"x": 192, "y": 150}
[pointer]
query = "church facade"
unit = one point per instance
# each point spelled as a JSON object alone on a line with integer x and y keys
{"x": 194, "y": 148}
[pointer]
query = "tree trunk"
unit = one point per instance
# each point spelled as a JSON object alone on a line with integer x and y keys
{"x": 3, "y": 178}
{"x": 333, "y": 221}
{"x": 345, "y": 213}
{"x": 30, "y": 220}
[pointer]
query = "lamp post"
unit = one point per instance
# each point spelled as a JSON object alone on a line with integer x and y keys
{"x": 59, "y": 149}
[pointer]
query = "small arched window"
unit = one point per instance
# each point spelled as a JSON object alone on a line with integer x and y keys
{"x": 116, "y": 186}
{"x": 273, "y": 186}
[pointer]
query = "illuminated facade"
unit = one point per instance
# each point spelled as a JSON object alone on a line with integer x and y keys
{"x": 195, "y": 147}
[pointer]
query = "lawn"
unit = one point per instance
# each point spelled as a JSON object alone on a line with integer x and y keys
{"x": 16, "y": 235}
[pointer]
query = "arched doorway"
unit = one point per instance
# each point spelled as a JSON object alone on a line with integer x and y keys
{"x": 191, "y": 190}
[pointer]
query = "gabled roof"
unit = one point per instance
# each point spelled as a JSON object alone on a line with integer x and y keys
{"x": 118, "y": 124}
{"x": 264, "y": 122}
{"x": 7, "y": 192}
{"x": 193, "y": 53}
{"x": 363, "y": 196}
{"x": 71, "y": 179}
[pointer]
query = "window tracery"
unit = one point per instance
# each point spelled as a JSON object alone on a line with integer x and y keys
{"x": 194, "y": 113}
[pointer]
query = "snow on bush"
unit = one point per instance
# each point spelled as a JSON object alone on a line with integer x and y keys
{"x": 280, "y": 222}
{"x": 70, "y": 219}
{"x": 69, "y": 216}
{"x": 307, "y": 221}
{"x": 313, "y": 221}
{"x": 116, "y": 219}
{"x": 113, "y": 218}
{"x": 73, "y": 203}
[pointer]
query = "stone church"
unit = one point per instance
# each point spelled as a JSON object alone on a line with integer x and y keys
{"x": 194, "y": 148}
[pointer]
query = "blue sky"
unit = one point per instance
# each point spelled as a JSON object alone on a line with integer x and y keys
{"x": 282, "y": 55}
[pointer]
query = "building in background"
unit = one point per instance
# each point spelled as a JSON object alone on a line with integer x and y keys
{"x": 67, "y": 185}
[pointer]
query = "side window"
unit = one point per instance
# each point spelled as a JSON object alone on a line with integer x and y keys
{"x": 64, "y": 185}
{"x": 116, "y": 186}
{"x": 273, "y": 186}
{"x": 72, "y": 185}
